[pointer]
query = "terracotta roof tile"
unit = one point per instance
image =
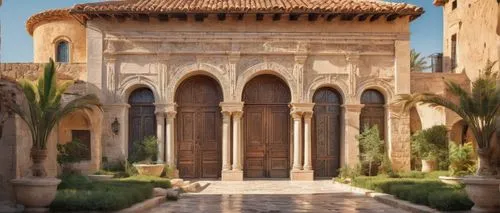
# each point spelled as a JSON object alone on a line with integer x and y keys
{"x": 46, "y": 16}
{"x": 249, "y": 6}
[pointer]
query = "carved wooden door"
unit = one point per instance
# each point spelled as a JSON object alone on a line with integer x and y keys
{"x": 142, "y": 119}
{"x": 266, "y": 128}
{"x": 199, "y": 128}
{"x": 373, "y": 113}
{"x": 326, "y": 129}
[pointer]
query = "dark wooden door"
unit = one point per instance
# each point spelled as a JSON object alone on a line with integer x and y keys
{"x": 326, "y": 129}
{"x": 142, "y": 119}
{"x": 373, "y": 113}
{"x": 266, "y": 128}
{"x": 199, "y": 128}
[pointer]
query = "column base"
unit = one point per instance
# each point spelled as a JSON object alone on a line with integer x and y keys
{"x": 302, "y": 175}
{"x": 232, "y": 175}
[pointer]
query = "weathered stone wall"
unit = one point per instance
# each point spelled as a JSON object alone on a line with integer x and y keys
{"x": 475, "y": 24}
{"x": 33, "y": 70}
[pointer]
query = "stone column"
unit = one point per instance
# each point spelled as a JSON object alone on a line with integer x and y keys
{"x": 351, "y": 122}
{"x": 307, "y": 141}
{"x": 236, "y": 141}
{"x": 297, "y": 127}
{"x": 170, "y": 157}
{"x": 226, "y": 139}
{"x": 160, "y": 134}
{"x": 236, "y": 110}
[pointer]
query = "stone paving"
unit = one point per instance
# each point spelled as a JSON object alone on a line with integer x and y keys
{"x": 273, "y": 197}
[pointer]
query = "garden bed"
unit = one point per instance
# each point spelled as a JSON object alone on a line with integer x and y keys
{"x": 78, "y": 193}
{"x": 419, "y": 188}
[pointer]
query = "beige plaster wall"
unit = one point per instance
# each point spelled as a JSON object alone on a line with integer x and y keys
{"x": 46, "y": 36}
{"x": 475, "y": 23}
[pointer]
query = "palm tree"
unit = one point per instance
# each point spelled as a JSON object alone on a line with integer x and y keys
{"x": 478, "y": 108}
{"x": 45, "y": 109}
{"x": 417, "y": 63}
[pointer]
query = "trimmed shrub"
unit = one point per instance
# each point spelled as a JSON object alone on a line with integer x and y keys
{"x": 424, "y": 190}
{"x": 450, "y": 200}
{"x": 78, "y": 193}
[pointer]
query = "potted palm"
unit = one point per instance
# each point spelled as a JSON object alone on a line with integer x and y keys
{"x": 43, "y": 111}
{"x": 461, "y": 163}
{"x": 144, "y": 155}
{"x": 479, "y": 108}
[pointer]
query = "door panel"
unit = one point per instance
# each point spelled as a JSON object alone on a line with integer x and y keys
{"x": 326, "y": 133}
{"x": 199, "y": 128}
{"x": 266, "y": 125}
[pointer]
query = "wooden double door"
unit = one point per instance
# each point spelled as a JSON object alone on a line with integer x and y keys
{"x": 199, "y": 128}
{"x": 326, "y": 137}
{"x": 266, "y": 128}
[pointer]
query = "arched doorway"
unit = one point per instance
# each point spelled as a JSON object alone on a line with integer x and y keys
{"x": 142, "y": 119}
{"x": 373, "y": 113}
{"x": 326, "y": 129}
{"x": 199, "y": 128}
{"x": 266, "y": 127}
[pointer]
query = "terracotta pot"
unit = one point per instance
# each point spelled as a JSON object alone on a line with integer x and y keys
{"x": 450, "y": 180}
{"x": 149, "y": 169}
{"x": 35, "y": 194}
{"x": 38, "y": 156}
{"x": 428, "y": 165}
{"x": 483, "y": 192}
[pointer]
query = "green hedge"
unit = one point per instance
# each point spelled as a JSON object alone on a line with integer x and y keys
{"x": 78, "y": 193}
{"x": 423, "y": 190}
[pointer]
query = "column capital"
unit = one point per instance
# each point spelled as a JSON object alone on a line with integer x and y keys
{"x": 160, "y": 108}
{"x": 352, "y": 58}
{"x": 302, "y": 107}
{"x": 353, "y": 107}
{"x": 226, "y": 115}
{"x": 296, "y": 115}
{"x": 308, "y": 115}
{"x": 232, "y": 106}
{"x": 171, "y": 114}
{"x": 237, "y": 114}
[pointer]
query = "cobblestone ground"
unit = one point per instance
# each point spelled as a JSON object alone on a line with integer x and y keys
{"x": 273, "y": 196}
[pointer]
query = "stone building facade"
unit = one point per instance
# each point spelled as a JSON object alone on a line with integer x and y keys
{"x": 234, "y": 91}
{"x": 471, "y": 37}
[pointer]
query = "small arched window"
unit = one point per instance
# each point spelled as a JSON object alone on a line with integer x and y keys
{"x": 62, "y": 52}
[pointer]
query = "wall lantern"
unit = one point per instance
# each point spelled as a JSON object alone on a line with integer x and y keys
{"x": 115, "y": 126}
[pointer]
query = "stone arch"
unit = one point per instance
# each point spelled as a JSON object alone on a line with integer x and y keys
{"x": 340, "y": 86}
{"x": 185, "y": 72}
{"x": 376, "y": 84}
{"x": 266, "y": 68}
{"x": 129, "y": 84}
{"x": 79, "y": 124}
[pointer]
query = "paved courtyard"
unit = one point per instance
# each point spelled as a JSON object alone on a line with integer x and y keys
{"x": 273, "y": 196}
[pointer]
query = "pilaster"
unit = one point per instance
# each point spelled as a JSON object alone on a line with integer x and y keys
{"x": 352, "y": 128}
{"x": 171, "y": 113}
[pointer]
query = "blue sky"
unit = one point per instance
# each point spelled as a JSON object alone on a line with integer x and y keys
{"x": 17, "y": 44}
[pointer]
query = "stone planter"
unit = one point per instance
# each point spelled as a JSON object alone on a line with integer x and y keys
{"x": 35, "y": 194}
{"x": 149, "y": 169}
{"x": 428, "y": 165}
{"x": 100, "y": 177}
{"x": 483, "y": 192}
{"x": 450, "y": 180}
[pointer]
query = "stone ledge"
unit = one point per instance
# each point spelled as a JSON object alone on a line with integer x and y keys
{"x": 389, "y": 199}
{"x": 145, "y": 205}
